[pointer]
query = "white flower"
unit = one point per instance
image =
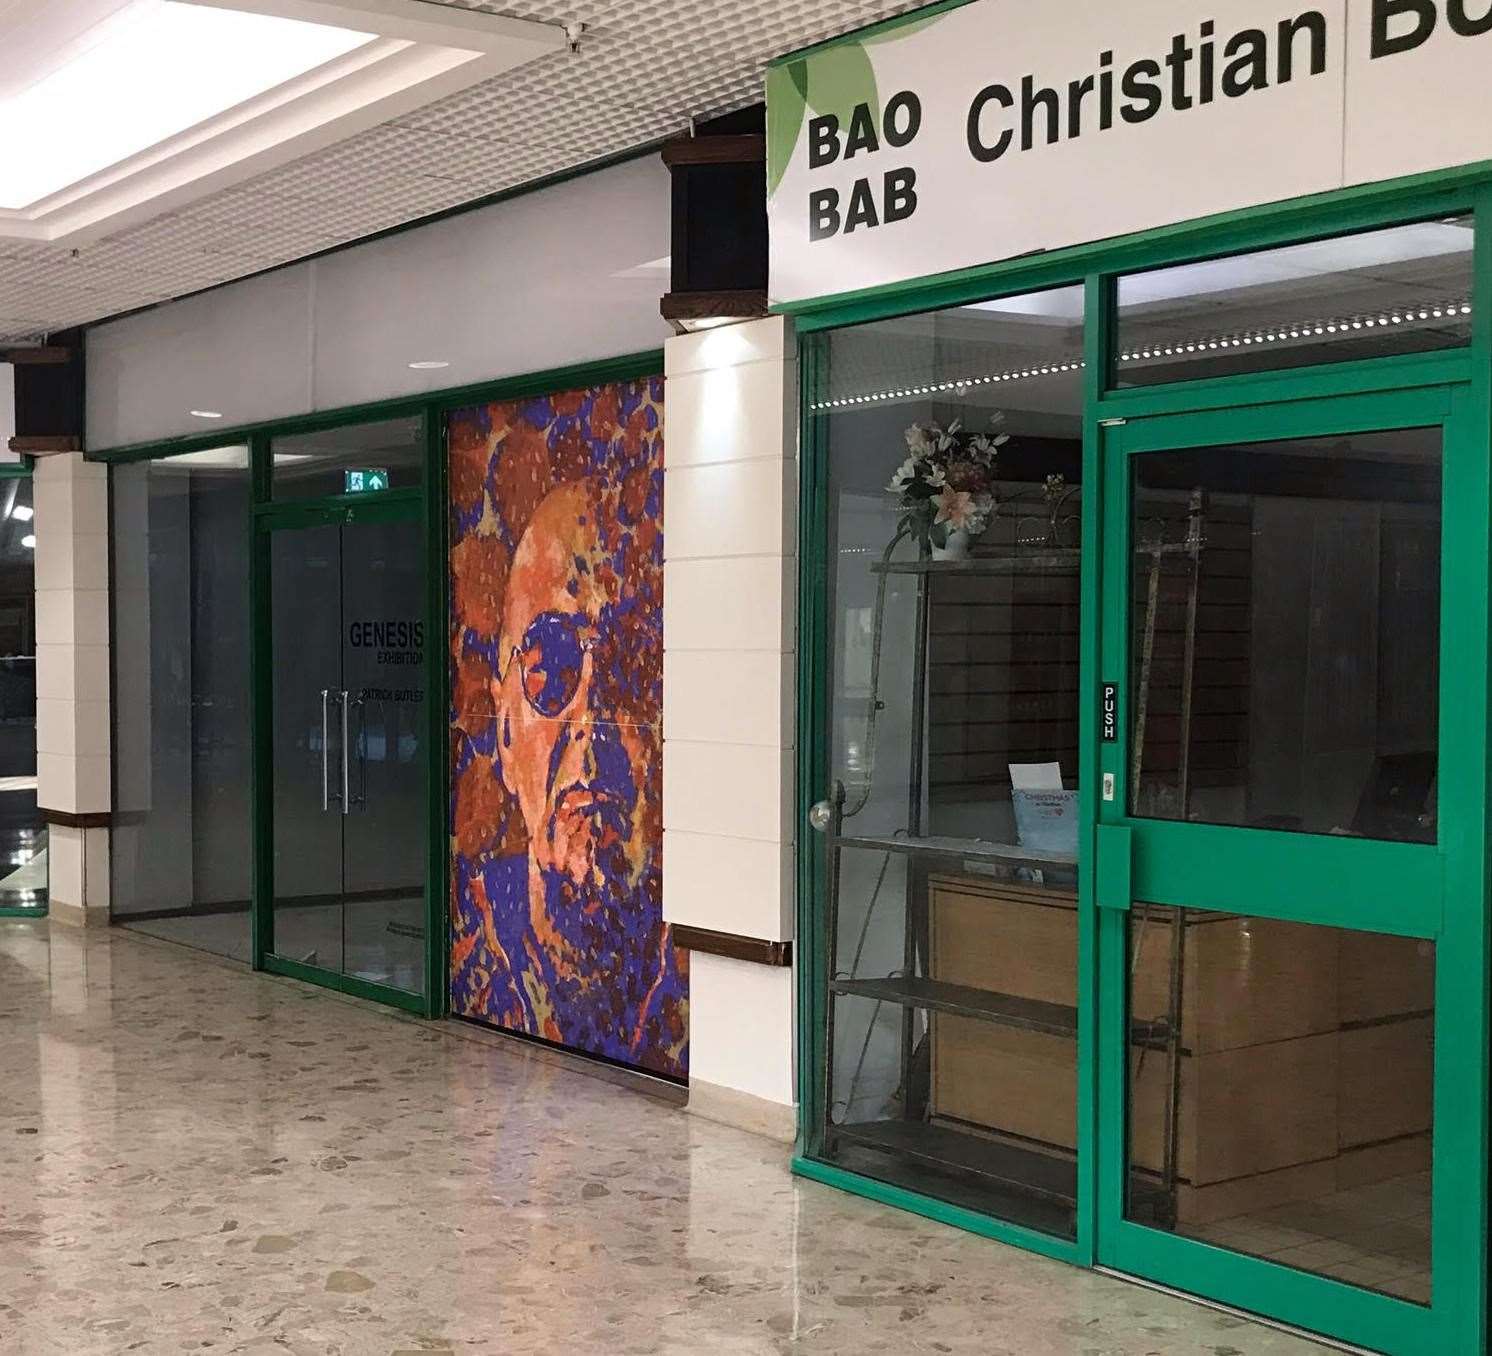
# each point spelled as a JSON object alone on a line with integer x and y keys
{"x": 935, "y": 476}
{"x": 919, "y": 441}
{"x": 905, "y": 474}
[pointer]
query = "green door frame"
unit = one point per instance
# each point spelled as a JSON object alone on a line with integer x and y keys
{"x": 1462, "y": 1119}
{"x": 269, "y": 518}
{"x": 1338, "y": 882}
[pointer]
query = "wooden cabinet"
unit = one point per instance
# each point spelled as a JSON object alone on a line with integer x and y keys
{"x": 1305, "y": 1052}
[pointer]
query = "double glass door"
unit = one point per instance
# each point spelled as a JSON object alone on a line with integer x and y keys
{"x": 349, "y": 749}
{"x": 1287, "y": 870}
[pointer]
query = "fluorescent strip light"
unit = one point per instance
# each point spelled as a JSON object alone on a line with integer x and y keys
{"x": 23, "y": 513}
{"x": 154, "y": 69}
{"x": 1430, "y": 312}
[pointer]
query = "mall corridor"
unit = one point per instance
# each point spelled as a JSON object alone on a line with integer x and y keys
{"x": 201, "y": 1158}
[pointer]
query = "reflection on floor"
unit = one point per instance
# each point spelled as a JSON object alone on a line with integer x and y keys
{"x": 1376, "y": 1236}
{"x": 379, "y": 940}
{"x": 198, "y": 1157}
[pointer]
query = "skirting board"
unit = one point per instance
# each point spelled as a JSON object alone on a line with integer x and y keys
{"x": 743, "y": 1110}
{"x": 76, "y": 915}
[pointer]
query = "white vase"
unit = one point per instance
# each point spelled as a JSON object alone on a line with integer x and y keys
{"x": 955, "y": 546}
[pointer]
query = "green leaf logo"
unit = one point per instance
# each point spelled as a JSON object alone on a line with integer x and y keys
{"x": 831, "y": 81}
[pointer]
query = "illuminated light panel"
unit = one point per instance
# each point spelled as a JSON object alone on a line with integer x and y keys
{"x": 154, "y": 69}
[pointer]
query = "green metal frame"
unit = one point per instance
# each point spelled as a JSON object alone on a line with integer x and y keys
{"x": 428, "y": 504}
{"x": 1453, "y": 388}
{"x": 21, "y": 470}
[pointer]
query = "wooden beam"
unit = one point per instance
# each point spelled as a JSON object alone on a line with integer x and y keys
{"x": 733, "y": 947}
{"x": 50, "y": 354}
{"x": 685, "y": 306}
{"x": 747, "y": 149}
{"x": 43, "y": 447}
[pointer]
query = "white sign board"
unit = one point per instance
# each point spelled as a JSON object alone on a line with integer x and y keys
{"x": 1004, "y": 127}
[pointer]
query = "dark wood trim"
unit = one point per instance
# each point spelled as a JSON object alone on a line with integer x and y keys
{"x": 41, "y": 447}
{"x": 92, "y": 819}
{"x": 742, "y": 305}
{"x": 733, "y": 947}
{"x": 51, "y": 354}
{"x": 747, "y": 149}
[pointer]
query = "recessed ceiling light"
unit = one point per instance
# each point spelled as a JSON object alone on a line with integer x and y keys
{"x": 206, "y": 414}
{"x": 23, "y": 513}
{"x": 428, "y": 365}
{"x": 29, "y": 542}
{"x": 152, "y": 69}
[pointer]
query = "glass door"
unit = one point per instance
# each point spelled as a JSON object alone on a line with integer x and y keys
{"x": 347, "y": 720}
{"x": 1287, "y": 795}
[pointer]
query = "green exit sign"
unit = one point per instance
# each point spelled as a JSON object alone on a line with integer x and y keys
{"x": 366, "y": 481}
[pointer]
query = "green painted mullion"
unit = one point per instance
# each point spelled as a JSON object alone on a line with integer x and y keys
{"x": 928, "y": 1207}
{"x": 1461, "y": 1133}
{"x": 351, "y": 985}
{"x": 1098, "y": 311}
{"x": 1315, "y": 1303}
{"x": 261, "y": 715}
{"x": 1112, "y": 926}
{"x": 1328, "y": 414}
{"x": 437, "y": 708}
{"x": 1398, "y": 372}
{"x": 813, "y": 743}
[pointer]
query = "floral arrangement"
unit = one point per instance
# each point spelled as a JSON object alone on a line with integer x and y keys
{"x": 947, "y": 482}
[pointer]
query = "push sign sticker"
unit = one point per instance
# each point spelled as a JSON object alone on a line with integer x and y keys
{"x": 1108, "y": 713}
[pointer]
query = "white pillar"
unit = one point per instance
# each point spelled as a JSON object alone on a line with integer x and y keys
{"x": 72, "y": 682}
{"x": 730, "y": 539}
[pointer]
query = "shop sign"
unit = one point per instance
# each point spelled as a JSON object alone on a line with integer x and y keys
{"x": 1007, "y": 127}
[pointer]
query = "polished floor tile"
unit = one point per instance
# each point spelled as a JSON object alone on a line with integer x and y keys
{"x": 196, "y": 1158}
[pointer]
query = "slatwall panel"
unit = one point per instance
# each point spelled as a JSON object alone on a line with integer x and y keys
{"x": 1003, "y": 671}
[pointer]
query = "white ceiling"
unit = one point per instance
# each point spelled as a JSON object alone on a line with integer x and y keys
{"x": 643, "y": 68}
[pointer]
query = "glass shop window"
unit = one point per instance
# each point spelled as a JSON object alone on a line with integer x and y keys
{"x": 954, "y": 525}
{"x": 357, "y": 459}
{"x": 1371, "y": 295}
{"x": 1285, "y": 635}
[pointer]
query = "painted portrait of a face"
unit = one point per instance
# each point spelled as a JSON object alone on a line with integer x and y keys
{"x": 556, "y": 642}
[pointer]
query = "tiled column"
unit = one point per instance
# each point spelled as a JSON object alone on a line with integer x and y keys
{"x": 728, "y": 704}
{"x": 72, "y": 682}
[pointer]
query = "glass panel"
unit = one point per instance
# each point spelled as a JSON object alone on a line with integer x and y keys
{"x": 180, "y": 847}
{"x": 384, "y": 865}
{"x": 954, "y": 645}
{"x": 363, "y": 458}
{"x": 1405, "y": 290}
{"x": 1285, "y": 642}
{"x": 349, "y": 749}
{"x": 23, "y": 831}
{"x": 306, "y": 640}
{"x": 1281, "y": 1092}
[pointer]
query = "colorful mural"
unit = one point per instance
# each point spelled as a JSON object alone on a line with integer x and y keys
{"x": 556, "y": 743}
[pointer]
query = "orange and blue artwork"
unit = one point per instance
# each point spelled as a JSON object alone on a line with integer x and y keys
{"x": 556, "y": 564}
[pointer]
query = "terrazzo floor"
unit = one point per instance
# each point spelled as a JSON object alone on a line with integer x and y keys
{"x": 197, "y": 1158}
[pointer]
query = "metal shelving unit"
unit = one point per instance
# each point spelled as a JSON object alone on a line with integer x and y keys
{"x": 1043, "y": 1175}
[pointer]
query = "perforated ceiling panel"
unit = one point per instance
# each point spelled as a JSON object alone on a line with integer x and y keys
{"x": 643, "y": 69}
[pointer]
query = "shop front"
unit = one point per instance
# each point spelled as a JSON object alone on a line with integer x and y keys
{"x": 1143, "y": 685}
{"x": 386, "y": 595}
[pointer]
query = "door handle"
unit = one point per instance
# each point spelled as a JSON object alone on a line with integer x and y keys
{"x": 346, "y": 775}
{"x": 1114, "y": 869}
{"x": 326, "y": 734}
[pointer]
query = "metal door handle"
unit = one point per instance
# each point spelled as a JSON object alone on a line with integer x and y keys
{"x": 346, "y": 775}
{"x": 326, "y": 734}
